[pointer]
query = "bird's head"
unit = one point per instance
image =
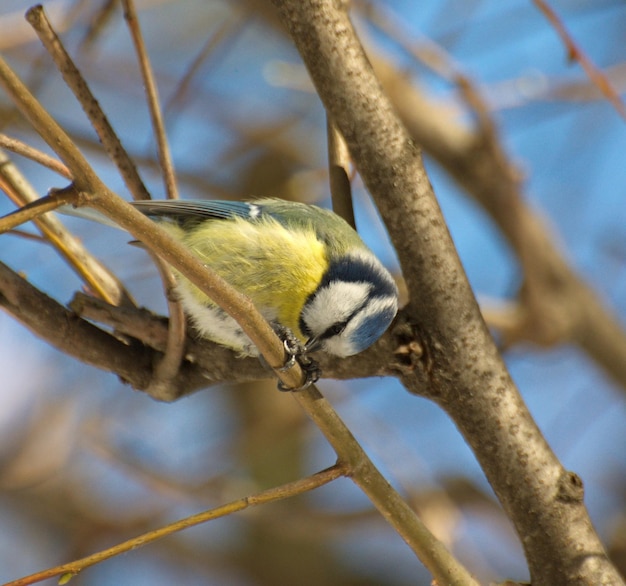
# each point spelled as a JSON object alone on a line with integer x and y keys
{"x": 352, "y": 307}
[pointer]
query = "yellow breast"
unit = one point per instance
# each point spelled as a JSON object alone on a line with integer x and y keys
{"x": 277, "y": 268}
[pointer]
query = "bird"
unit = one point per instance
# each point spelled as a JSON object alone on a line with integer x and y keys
{"x": 305, "y": 269}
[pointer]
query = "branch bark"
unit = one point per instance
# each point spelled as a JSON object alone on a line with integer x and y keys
{"x": 464, "y": 372}
{"x": 558, "y": 306}
{"x": 69, "y": 333}
{"x": 140, "y": 339}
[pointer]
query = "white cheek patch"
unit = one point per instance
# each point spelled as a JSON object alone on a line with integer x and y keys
{"x": 334, "y": 304}
{"x": 339, "y": 346}
{"x": 364, "y": 328}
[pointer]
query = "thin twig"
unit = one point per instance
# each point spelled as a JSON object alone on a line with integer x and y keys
{"x": 20, "y": 148}
{"x": 339, "y": 173}
{"x": 575, "y": 53}
{"x": 27, "y": 235}
{"x": 223, "y": 33}
{"x": 433, "y": 554}
{"x": 416, "y": 44}
{"x": 97, "y": 23}
{"x": 34, "y": 210}
{"x": 166, "y": 369}
{"x": 76, "y": 82}
{"x": 262, "y": 498}
{"x": 100, "y": 280}
{"x": 165, "y": 158}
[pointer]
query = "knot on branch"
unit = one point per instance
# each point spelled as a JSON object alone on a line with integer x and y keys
{"x": 410, "y": 351}
{"x": 570, "y": 488}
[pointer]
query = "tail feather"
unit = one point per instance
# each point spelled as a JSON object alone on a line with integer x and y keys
{"x": 87, "y": 213}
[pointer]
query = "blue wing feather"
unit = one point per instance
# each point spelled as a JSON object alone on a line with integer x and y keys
{"x": 184, "y": 209}
{"x": 329, "y": 228}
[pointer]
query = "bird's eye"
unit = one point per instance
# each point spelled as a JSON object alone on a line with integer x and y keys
{"x": 335, "y": 330}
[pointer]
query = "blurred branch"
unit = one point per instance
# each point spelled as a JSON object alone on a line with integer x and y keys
{"x": 98, "y": 277}
{"x": 461, "y": 368}
{"x": 20, "y": 148}
{"x": 556, "y": 305}
{"x": 98, "y": 22}
{"x": 165, "y": 156}
{"x": 76, "y": 82}
{"x": 339, "y": 174}
{"x": 575, "y": 53}
{"x": 70, "y": 334}
{"x": 227, "y": 32}
{"x": 300, "y": 486}
{"x": 168, "y": 366}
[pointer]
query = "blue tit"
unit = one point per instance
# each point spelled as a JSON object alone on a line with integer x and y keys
{"x": 303, "y": 267}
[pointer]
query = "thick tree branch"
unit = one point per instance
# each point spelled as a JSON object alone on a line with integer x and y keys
{"x": 558, "y": 306}
{"x": 140, "y": 339}
{"x": 135, "y": 347}
{"x": 71, "y": 334}
{"x": 465, "y": 373}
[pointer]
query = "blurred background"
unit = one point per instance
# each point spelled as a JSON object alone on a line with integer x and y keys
{"x": 85, "y": 462}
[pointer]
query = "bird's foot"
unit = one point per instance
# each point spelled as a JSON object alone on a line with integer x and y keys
{"x": 296, "y": 352}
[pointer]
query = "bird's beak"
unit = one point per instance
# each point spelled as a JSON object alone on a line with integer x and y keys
{"x": 312, "y": 344}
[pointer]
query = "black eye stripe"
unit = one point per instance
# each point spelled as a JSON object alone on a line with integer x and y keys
{"x": 334, "y": 330}
{"x": 351, "y": 269}
{"x": 339, "y": 327}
